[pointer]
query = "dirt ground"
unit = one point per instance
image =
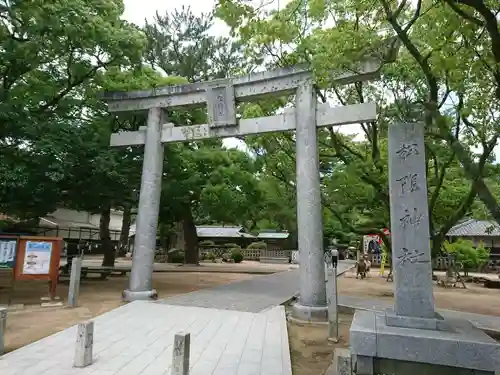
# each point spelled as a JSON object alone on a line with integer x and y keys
{"x": 475, "y": 299}
{"x": 96, "y": 297}
{"x": 310, "y": 350}
{"x": 312, "y": 353}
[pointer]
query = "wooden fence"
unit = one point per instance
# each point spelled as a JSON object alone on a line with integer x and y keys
{"x": 248, "y": 254}
{"x": 440, "y": 263}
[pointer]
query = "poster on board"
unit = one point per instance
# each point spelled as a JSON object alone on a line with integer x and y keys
{"x": 371, "y": 244}
{"x": 8, "y": 250}
{"x": 37, "y": 258}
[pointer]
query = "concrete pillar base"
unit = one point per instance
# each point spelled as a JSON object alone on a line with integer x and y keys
{"x": 312, "y": 314}
{"x": 147, "y": 295}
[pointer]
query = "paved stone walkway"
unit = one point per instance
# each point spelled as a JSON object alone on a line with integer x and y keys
{"x": 137, "y": 339}
{"x": 245, "y": 335}
{"x": 253, "y": 295}
{"x": 263, "y": 292}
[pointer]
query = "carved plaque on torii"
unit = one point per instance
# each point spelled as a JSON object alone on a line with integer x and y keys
{"x": 221, "y": 106}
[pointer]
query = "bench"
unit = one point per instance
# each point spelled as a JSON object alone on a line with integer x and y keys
{"x": 103, "y": 272}
{"x": 274, "y": 260}
{"x": 492, "y": 284}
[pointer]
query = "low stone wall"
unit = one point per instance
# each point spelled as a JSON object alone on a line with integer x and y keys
{"x": 248, "y": 254}
{"x": 275, "y": 260}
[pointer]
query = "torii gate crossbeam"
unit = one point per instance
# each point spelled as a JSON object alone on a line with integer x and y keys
{"x": 221, "y": 97}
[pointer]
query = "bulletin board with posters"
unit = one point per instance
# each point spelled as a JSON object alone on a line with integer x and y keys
{"x": 8, "y": 251}
{"x": 38, "y": 259}
{"x": 8, "y": 255}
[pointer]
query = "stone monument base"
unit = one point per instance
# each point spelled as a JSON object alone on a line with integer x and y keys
{"x": 454, "y": 347}
{"x": 437, "y": 323}
{"x": 311, "y": 314}
{"x": 148, "y": 295}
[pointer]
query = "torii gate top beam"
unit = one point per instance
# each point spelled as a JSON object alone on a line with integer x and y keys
{"x": 251, "y": 87}
{"x": 280, "y": 81}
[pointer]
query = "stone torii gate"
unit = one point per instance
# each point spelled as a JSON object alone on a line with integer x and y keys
{"x": 221, "y": 97}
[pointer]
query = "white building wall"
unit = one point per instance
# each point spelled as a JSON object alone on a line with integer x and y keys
{"x": 115, "y": 220}
{"x": 72, "y": 221}
{"x": 71, "y": 215}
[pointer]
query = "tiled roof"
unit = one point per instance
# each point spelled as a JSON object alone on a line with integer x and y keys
{"x": 209, "y": 231}
{"x": 273, "y": 235}
{"x": 50, "y": 221}
{"x": 475, "y": 228}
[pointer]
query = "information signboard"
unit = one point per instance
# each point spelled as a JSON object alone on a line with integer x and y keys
{"x": 8, "y": 252}
{"x": 37, "y": 258}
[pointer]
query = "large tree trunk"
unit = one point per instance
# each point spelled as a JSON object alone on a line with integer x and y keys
{"x": 180, "y": 235}
{"x": 176, "y": 236}
{"x": 106, "y": 244}
{"x": 486, "y": 196}
{"x": 191, "y": 252}
{"x": 165, "y": 239}
{"x": 124, "y": 235}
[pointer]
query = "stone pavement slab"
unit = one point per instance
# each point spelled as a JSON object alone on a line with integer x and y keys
{"x": 485, "y": 322}
{"x": 253, "y": 295}
{"x": 263, "y": 292}
{"x": 137, "y": 338}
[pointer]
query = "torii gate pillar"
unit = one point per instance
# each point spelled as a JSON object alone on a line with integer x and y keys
{"x": 221, "y": 96}
{"x": 312, "y": 301}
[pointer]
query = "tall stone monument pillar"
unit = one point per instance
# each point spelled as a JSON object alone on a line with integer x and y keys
{"x": 141, "y": 276}
{"x": 312, "y": 302}
{"x": 411, "y": 251}
{"x": 413, "y": 338}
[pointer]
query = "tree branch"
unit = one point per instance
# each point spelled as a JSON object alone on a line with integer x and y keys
{"x": 469, "y": 17}
{"x": 491, "y": 25}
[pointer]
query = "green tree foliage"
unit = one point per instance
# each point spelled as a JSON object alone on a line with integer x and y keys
{"x": 236, "y": 255}
{"x": 469, "y": 257}
{"x": 179, "y": 43}
{"x": 483, "y": 16}
{"x": 50, "y": 52}
{"x": 429, "y": 83}
{"x": 115, "y": 171}
{"x": 257, "y": 246}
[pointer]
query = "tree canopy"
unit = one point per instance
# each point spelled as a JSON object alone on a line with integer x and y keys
{"x": 444, "y": 76}
{"x": 58, "y": 56}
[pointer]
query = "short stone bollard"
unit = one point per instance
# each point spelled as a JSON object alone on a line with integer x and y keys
{"x": 84, "y": 344}
{"x": 74, "y": 282}
{"x": 3, "y": 326}
{"x": 332, "y": 295}
{"x": 343, "y": 362}
{"x": 180, "y": 359}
